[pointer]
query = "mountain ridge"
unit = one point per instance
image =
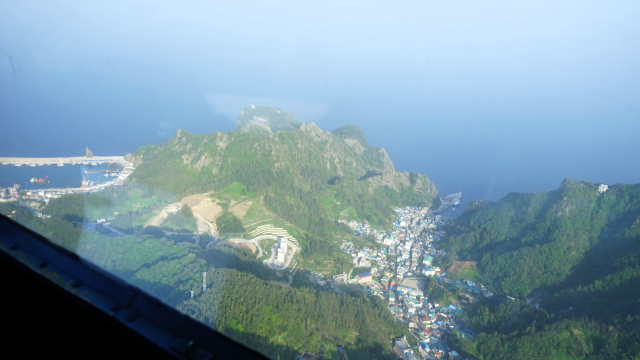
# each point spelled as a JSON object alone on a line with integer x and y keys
{"x": 304, "y": 159}
{"x": 576, "y": 250}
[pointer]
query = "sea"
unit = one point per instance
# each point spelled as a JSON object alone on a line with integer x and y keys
{"x": 54, "y": 176}
{"x": 485, "y": 155}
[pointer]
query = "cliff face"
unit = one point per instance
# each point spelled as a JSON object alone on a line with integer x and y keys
{"x": 304, "y": 162}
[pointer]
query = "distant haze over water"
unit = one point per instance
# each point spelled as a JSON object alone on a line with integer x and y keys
{"x": 484, "y": 161}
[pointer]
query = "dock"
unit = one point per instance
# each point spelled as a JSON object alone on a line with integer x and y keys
{"x": 446, "y": 202}
{"x": 95, "y": 160}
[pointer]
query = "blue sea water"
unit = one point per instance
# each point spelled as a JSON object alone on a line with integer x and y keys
{"x": 67, "y": 176}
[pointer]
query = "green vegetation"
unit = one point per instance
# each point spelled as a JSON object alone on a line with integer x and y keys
{"x": 106, "y": 203}
{"x": 286, "y": 321}
{"x": 351, "y": 132}
{"x": 296, "y": 177}
{"x": 289, "y": 171}
{"x": 182, "y": 221}
{"x": 228, "y": 223}
{"x": 526, "y": 242}
{"x": 286, "y": 176}
{"x": 434, "y": 291}
{"x": 236, "y": 191}
{"x": 266, "y": 246}
{"x": 580, "y": 248}
{"x": 469, "y": 274}
{"x": 245, "y": 300}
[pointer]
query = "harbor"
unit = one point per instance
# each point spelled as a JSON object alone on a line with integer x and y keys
{"x": 449, "y": 201}
{"x": 30, "y": 180}
{"x": 61, "y": 161}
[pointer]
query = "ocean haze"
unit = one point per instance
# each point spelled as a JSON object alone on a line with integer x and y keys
{"x": 484, "y": 98}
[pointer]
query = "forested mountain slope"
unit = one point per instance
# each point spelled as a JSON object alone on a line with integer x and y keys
{"x": 292, "y": 170}
{"x": 245, "y": 299}
{"x": 576, "y": 248}
{"x": 526, "y": 242}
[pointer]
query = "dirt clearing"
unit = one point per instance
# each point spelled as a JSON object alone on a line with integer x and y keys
{"x": 158, "y": 219}
{"x": 458, "y": 266}
{"x": 203, "y": 206}
{"x": 193, "y": 200}
{"x": 240, "y": 209}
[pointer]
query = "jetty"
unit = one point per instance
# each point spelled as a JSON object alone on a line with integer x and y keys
{"x": 446, "y": 202}
{"x": 61, "y": 161}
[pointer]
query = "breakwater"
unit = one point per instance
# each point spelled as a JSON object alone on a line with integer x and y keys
{"x": 95, "y": 160}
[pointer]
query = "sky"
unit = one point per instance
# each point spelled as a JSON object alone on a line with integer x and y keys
{"x": 129, "y": 73}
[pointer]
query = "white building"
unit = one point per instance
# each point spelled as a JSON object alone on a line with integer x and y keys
{"x": 429, "y": 272}
{"x": 281, "y": 250}
{"x": 282, "y": 244}
{"x": 602, "y": 188}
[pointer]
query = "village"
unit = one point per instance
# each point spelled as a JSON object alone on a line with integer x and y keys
{"x": 400, "y": 264}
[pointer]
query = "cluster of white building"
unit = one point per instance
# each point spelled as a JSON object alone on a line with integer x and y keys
{"x": 364, "y": 229}
{"x": 10, "y": 194}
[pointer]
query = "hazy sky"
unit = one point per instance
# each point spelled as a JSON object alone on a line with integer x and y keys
{"x": 468, "y": 68}
{"x": 467, "y": 57}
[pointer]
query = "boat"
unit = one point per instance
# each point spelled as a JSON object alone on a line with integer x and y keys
{"x": 39, "y": 181}
{"x": 454, "y": 209}
{"x": 18, "y": 164}
{"x": 34, "y": 165}
{"x": 60, "y": 164}
{"x": 456, "y": 203}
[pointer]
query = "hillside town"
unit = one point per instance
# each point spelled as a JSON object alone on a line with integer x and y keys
{"x": 399, "y": 266}
{"x": 398, "y": 263}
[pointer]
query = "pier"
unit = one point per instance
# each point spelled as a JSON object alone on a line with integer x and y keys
{"x": 447, "y": 202}
{"x": 60, "y": 161}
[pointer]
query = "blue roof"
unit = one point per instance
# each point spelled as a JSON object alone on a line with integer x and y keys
{"x": 364, "y": 274}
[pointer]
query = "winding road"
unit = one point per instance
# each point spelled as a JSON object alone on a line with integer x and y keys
{"x": 256, "y": 241}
